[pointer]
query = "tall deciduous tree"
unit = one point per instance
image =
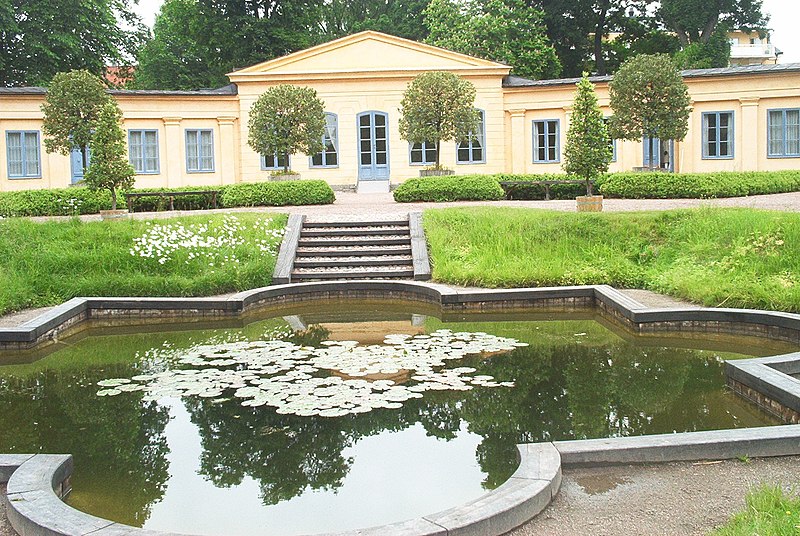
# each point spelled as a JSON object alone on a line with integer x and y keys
{"x": 110, "y": 169}
{"x": 436, "y": 107}
{"x": 202, "y": 40}
{"x": 507, "y": 31}
{"x": 39, "y": 38}
{"x": 696, "y": 21}
{"x": 287, "y": 119}
{"x": 403, "y": 18}
{"x": 649, "y": 99}
{"x": 588, "y": 151}
{"x": 71, "y": 110}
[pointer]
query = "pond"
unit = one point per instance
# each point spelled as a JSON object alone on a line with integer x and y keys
{"x": 337, "y": 416}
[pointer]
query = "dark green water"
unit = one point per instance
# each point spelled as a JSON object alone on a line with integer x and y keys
{"x": 212, "y": 466}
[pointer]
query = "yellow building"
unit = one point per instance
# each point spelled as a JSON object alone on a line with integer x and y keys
{"x": 744, "y": 118}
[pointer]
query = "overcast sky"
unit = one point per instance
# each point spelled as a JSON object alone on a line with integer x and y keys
{"x": 785, "y": 15}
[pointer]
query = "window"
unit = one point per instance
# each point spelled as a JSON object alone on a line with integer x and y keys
{"x": 718, "y": 135}
{"x": 423, "y": 153}
{"x": 783, "y": 130}
{"x": 22, "y": 149}
{"x": 143, "y": 151}
{"x": 612, "y": 142}
{"x": 274, "y": 162}
{"x": 199, "y": 151}
{"x": 473, "y": 149}
{"x": 329, "y": 156}
{"x": 545, "y": 141}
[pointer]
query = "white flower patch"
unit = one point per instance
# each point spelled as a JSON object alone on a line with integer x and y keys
{"x": 340, "y": 378}
{"x": 205, "y": 242}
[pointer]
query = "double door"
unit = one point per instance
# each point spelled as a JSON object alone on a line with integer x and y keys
{"x": 373, "y": 146}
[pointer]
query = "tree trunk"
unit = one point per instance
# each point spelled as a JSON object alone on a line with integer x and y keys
{"x": 589, "y": 191}
{"x": 286, "y": 163}
{"x": 711, "y": 25}
{"x": 438, "y": 146}
{"x": 113, "y": 198}
{"x": 599, "y": 32}
{"x": 652, "y": 162}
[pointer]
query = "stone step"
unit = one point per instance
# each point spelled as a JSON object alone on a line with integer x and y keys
{"x": 366, "y": 240}
{"x": 345, "y": 224}
{"x": 373, "y": 260}
{"x": 355, "y": 231}
{"x": 354, "y": 250}
{"x": 384, "y": 272}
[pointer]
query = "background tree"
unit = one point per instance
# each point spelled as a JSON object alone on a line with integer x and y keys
{"x": 436, "y": 107}
{"x": 39, "y": 38}
{"x": 403, "y": 18}
{"x": 110, "y": 168}
{"x": 696, "y": 21}
{"x": 649, "y": 99}
{"x": 71, "y": 110}
{"x": 203, "y": 40}
{"x": 287, "y": 119}
{"x": 588, "y": 151}
{"x": 506, "y": 31}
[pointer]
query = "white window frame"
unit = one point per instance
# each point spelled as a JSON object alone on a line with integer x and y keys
{"x": 717, "y": 129}
{"x": 422, "y": 149}
{"x": 547, "y": 123}
{"x": 198, "y": 166}
{"x": 784, "y": 140}
{"x": 139, "y": 161}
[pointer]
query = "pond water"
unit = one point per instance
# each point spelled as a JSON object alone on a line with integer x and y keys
{"x": 333, "y": 417}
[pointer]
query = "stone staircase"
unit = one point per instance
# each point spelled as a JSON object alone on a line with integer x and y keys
{"x": 349, "y": 250}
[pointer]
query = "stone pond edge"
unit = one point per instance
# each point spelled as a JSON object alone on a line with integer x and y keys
{"x": 37, "y": 482}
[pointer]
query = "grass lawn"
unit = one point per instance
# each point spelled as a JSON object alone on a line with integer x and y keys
{"x": 47, "y": 263}
{"x": 717, "y": 257}
{"x": 769, "y": 512}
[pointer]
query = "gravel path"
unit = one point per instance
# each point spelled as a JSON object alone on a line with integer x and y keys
{"x": 5, "y": 527}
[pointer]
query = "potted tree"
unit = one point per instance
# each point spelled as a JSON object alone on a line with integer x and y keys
{"x": 438, "y": 106}
{"x": 110, "y": 169}
{"x": 588, "y": 151}
{"x": 287, "y": 119}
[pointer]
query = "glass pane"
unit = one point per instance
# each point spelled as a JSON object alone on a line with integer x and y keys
{"x": 364, "y": 121}
{"x": 776, "y": 133}
{"x": 711, "y": 149}
{"x": 380, "y": 120}
{"x": 793, "y": 132}
{"x": 380, "y": 133}
{"x": 366, "y": 133}
{"x": 31, "y": 154}
{"x": 463, "y": 154}
{"x": 366, "y": 146}
{"x": 191, "y": 150}
{"x": 380, "y": 159}
{"x": 724, "y": 148}
{"x": 430, "y": 155}
{"x": 724, "y": 120}
{"x": 281, "y": 161}
{"x": 366, "y": 159}
{"x": 380, "y": 146}
{"x": 332, "y": 159}
{"x": 416, "y": 156}
{"x": 477, "y": 154}
{"x": 316, "y": 160}
{"x": 14, "y": 151}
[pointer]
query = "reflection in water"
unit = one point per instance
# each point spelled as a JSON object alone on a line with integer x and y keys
{"x": 210, "y": 465}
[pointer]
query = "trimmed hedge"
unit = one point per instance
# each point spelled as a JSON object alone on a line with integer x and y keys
{"x": 535, "y": 192}
{"x": 449, "y": 188}
{"x": 70, "y": 201}
{"x": 279, "y": 193}
{"x": 659, "y": 185}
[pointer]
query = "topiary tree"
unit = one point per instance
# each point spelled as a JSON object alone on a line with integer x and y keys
{"x": 649, "y": 99}
{"x": 71, "y": 110}
{"x": 110, "y": 168}
{"x": 588, "y": 152}
{"x": 436, "y": 107}
{"x": 287, "y": 119}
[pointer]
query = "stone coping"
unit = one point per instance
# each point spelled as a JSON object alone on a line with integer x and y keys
{"x": 36, "y": 483}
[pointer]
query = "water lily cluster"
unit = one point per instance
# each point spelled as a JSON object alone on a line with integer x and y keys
{"x": 336, "y": 379}
{"x": 210, "y": 242}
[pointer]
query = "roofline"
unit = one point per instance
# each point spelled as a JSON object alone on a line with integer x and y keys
{"x": 516, "y": 82}
{"x": 225, "y": 91}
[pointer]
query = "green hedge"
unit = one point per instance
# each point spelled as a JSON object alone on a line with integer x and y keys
{"x": 279, "y": 193}
{"x": 449, "y": 188}
{"x": 699, "y": 185}
{"x": 532, "y": 192}
{"x": 70, "y": 201}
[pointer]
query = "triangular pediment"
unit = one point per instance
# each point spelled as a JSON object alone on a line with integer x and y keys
{"x": 368, "y": 52}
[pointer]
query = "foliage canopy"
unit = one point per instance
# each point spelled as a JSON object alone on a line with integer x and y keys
{"x": 71, "y": 111}
{"x": 649, "y": 99}
{"x": 436, "y": 107}
{"x": 287, "y": 119}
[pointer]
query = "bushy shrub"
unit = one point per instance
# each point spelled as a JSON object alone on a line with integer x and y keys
{"x": 304, "y": 192}
{"x": 55, "y": 202}
{"x": 73, "y": 201}
{"x": 699, "y": 185}
{"x": 449, "y": 188}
